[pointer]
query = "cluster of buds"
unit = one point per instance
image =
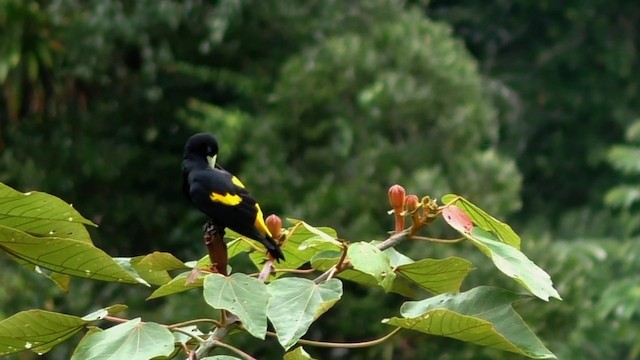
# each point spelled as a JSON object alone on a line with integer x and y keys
{"x": 421, "y": 212}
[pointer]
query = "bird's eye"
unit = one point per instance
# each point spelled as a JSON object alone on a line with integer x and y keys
{"x": 209, "y": 150}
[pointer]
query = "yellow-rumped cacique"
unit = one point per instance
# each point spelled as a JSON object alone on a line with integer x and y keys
{"x": 220, "y": 195}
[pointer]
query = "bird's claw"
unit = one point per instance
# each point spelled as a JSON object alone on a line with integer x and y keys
{"x": 210, "y": 228}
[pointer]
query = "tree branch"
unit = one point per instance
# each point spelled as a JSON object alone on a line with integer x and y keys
{"x": 390, "y": 242}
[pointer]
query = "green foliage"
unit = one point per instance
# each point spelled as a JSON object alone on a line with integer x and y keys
{"x": 291, "y": 303}
{"x": 482, "y": 316}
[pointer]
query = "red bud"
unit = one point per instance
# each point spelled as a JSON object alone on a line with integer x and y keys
{"x": 411, "y": 203}
{"x": 396, "y": 197}
{"x": 274, "y": 224}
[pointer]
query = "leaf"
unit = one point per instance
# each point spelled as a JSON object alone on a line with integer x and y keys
{"x": 221, "y": 357}
{"x": 485, "y": 221}
{"x": 295, "y": 253}
{"x": 41, "y": 214}
{"x": 296, "y": 302}
{"x": 437, "y": 275}
{"x": 482, "y": 316}
{"x": 320, "y": 238}
{"x": 326, "y": 259}
{"x": 244, "y": 296}
{"x": 515, "y": 264}
{"x": 101, "y": 313}
{"x": 177, "y": 285}
{"x": 298, "y": 354}
{"x": 160, "y": 261}
{"x": 37, "y": 330}
{"x": 130, "y": 340}
{"x": 66, "y": 256}
{"x": 370, "y": 260}
{"x": 457, "y": 219}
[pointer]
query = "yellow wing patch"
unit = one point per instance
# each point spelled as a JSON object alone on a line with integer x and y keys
{"x": 237, "y": 182}
{"x": 260, "y": 224}
{"x": 226, "y": 199}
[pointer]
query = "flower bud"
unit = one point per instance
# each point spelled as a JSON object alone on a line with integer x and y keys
{"x": 396, "y": 197}
{"x": 411, "y": 203}
{"x": 274, "y": 224}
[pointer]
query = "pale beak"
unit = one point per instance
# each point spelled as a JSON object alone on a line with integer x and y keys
{"x": 212, "y": 160}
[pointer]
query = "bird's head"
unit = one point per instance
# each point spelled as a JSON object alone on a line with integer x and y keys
{"x": 202, "y": 146}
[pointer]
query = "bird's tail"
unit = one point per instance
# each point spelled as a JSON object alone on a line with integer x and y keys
{"x": 273, "y": 248}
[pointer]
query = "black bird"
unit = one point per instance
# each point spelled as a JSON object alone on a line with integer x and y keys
{"x": 220, "y": 195}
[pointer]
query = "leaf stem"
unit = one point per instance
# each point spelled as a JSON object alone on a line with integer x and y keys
{"x": 436, "y": 240}
{"x": 346, "y": 345}
{"x": 189, "y": 334}
{"x": 194, "y": 321}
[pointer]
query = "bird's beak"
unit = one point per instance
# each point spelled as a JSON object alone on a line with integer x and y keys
{"x": 212, "y": 160}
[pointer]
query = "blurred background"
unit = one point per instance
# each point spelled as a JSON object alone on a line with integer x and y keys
{"x": 529, "y": 109}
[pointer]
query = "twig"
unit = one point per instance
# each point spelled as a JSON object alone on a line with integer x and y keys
{"x": 390, "y": 242}
{"x": 219, "y": 333}
{"x": 194, "y": 321}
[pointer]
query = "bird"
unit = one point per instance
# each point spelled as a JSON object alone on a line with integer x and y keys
{"x": 222, "y": 196}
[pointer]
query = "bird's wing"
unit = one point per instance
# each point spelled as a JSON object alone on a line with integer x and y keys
{"x": 224, "y": 198}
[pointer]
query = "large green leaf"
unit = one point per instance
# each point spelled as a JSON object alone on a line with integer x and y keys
{"x": 66, "y": 256}
{"x": 42, "y": 214}
{"x": 301, "y": 244}
{"x": 180, "y": 283}
{"x": 485, "y": 221}
{"x": 514, "y": 264}
{"x": 296, "y": 302}
{"x": 159, "y": 261}
{"x": 326, "y": 259}
{"x": 368, "y": 259}
{"x": 482, "y": 316}
{"x": 37, "y": 330}
{"x": 244, "y": 296}
{"x": 437, "y": 275}
{"x": 130, "y": 340}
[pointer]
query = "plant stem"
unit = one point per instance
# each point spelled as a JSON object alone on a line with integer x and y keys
{"x": 346, "y": 345}
{"x": 441, "y": 241}
{"x": 194, "y": 321}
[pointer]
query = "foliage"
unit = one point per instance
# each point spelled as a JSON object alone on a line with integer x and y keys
{"x": 281, "y": 294}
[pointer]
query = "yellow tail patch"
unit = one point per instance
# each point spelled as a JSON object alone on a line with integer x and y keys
{"x": 260, "y": 224}
{"x": 227, "y": 199}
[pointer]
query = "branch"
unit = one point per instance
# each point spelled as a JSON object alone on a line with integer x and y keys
{"x": 390, "y": 242}
{"x": 214, "y": 340}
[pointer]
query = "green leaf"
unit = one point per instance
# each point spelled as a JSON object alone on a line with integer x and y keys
{"x": 296, "y": 302}
{"x": 514, "y": 264}
{"x": 321, "y": 237}
{"x": 101, "y": 313}
{"x": 244, "y": 296}
{"x": 326, "y": 259}
{"x": 482, "y": 316}
{"x": 298, "y": 354}
{"x": 437, "y": 275}
{"x": 36, "y": 330}
{"x": 221, "y": 357}
{"x": 66, "y": 256}
{"x": 41, "y": 214}
{"x": 370, "y": 260}
{"x": 130, "y": 340}
{"x": 485, "y": 221}
{"x": 160, "y": 261}
{"x": 177, "y": 285}
{"x": 295, "y": 252}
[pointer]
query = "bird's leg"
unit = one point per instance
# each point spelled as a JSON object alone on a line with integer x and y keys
{"x": 214, "y": 240}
